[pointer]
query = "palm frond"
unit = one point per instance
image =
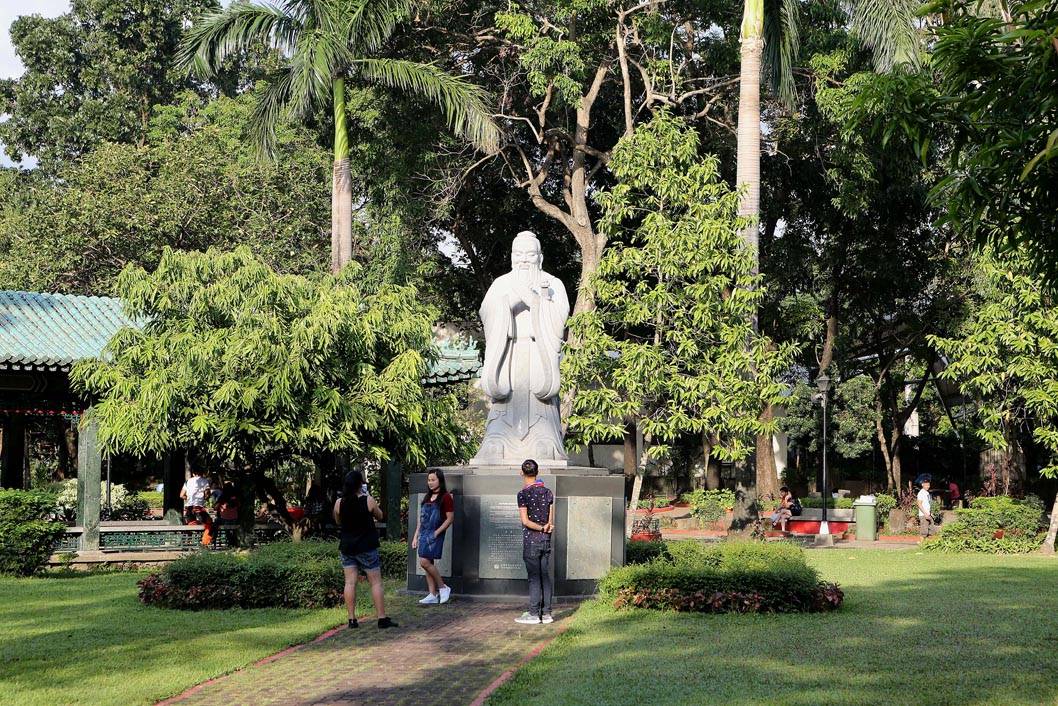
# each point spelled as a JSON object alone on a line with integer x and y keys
{"x": 465, "y": 105}
{"x": 274, "y": 102}
{"x": 220, "y": 34}
{"x": 782, "y": 41}
{"x": 889, "y": 29}
{"x": 319, "y": 57}
{"x": 369, "y": 23}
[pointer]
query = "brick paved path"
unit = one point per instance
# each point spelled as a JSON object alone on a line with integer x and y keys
{"x": 439, "y": 654}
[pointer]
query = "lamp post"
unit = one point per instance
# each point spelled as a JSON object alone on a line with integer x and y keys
{"x": 823, "y": 383}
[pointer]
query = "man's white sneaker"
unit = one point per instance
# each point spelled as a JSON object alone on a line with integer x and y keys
{"x": 546, "y": 618}
{"x": 429, "y": 600}
{"x": 446, "y": 593}
{"x": 527, "y": 618}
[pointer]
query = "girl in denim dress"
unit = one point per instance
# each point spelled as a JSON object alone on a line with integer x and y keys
{"x": 435, "y": 517}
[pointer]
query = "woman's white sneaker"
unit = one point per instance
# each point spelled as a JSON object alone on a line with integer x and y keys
{"x": 528, "y": 618}
{"x": 446, "y": 593}
{"x": 429, "y": 600}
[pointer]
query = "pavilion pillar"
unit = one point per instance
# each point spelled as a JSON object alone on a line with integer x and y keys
{"x": 13, "y": 453}
{"x": 392, "y": 479}
{"x": 173, "y": 476}
{"x": 89, "y": 478}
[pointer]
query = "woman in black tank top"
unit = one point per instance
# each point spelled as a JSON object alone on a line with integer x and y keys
{"x": 356, "y": 512}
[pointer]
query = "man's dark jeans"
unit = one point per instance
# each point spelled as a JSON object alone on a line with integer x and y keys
{"x": 537, "y": 556}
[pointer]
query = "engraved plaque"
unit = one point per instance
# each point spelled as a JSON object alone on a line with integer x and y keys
{"x": 500, "y": 554}
{"x": 589, "y": 537}
{"x": 444, "y": 564}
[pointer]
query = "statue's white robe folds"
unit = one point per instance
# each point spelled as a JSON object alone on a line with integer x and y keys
{"x": 524, "y": 320}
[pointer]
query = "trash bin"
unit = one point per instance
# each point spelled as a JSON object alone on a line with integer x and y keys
{"x": 866, "y": 518}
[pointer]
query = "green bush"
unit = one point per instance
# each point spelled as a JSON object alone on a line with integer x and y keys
{"x": 283, "y": 574}
{"x": 638, "y": 552}
{"x": 394, "y": 556}
{"x": 976, "y": 527}
{"x": 653, "y": 502}
{"x": 710, "y": 505}
{"x": 723, "y": 577}
{"x": 884, "y": 504}
{"x": 28, "y": 530}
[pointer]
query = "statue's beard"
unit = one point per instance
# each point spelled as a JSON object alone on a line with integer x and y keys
{"x": 528, "y": 275}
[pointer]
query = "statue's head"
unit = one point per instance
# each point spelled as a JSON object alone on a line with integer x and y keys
{"x": 525, "y": 252}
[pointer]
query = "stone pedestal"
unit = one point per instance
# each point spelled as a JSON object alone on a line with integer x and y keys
{"x": 483, "y": 549}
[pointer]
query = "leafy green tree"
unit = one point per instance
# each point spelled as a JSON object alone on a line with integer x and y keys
{"x": 769, "y": 39}
{"x": 1005, "y": 358}
{"x": 193, "y": 185}
{"x": 852, "y": 190}
{"x": 248, "y": 367}
{"x": 670, "y": 345}
{"x": 92, "y": 75}
{"x": 330, "y": 42}
{"x": 997, "y": 78}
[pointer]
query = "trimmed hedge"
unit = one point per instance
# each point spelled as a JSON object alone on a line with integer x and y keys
{"x": 976, "y": 527}
{"x": 284, "y": 574}
{"x": 27, "y": 530}
{"x": 743, "y": 577}
{"x": 637, "y": 552}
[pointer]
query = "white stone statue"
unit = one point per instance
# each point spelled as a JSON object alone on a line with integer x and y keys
{"x": 524, "y": 315}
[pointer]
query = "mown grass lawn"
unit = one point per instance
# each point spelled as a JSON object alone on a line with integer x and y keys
{"x": 916, "y": 628}
{"x": 87, "y": 640}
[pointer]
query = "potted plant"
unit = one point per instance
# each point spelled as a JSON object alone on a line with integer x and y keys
{"x": 646, "y": 529}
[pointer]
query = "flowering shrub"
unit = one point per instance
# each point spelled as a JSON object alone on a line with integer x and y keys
{"x": 123, "y": 504}
{"x": 826, "y": 596}
{"x": 284, "y": 574}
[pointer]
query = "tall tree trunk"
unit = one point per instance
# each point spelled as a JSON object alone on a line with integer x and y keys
{"x": 747, "y": 177}
{"x": 1048, "y": 543}
{"x": 341, "y": 185}
{"x": 767, "y": 474}
{"x": 630, "y": 450}
{"x": 712, "y": 468}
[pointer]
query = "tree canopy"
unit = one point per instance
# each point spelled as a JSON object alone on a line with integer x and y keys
{"x": 247, "y": 365}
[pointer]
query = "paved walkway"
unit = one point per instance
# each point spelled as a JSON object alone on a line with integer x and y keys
{"x": 441, "y": 654}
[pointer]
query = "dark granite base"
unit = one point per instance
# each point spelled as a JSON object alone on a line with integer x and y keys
{"x": 483, "y": 549}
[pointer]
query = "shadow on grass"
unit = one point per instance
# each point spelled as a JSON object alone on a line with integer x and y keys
{"x": 89, "y": 640}
{"x": 974, "y": 634}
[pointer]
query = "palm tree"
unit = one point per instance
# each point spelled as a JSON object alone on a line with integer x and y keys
{"x": 326, "y": 43}
{"x": 769, "y": 41}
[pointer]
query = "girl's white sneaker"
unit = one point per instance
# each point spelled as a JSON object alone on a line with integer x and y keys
{"x": 430, "y": 599}
{"x": 446, "y": 593}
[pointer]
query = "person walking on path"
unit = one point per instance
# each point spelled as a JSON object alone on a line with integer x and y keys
{"x": 356, "y": 512}
{"x": 925, "y": 510}
{"x": 435, "y": 517}
{"x": 537, "y": 507}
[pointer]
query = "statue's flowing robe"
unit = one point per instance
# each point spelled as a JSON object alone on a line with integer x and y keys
{"x": 520, "y": 372}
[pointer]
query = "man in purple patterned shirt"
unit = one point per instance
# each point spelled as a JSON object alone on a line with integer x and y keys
{"x": 536, "y": 503}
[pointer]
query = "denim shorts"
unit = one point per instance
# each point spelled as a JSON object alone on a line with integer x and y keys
{"x": 365, "y": 561}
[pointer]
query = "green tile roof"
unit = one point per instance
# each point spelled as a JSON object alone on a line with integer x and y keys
{"x": 53, "y": 331}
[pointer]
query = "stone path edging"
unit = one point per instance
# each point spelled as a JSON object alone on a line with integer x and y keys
{"x": 529, "y": 657}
